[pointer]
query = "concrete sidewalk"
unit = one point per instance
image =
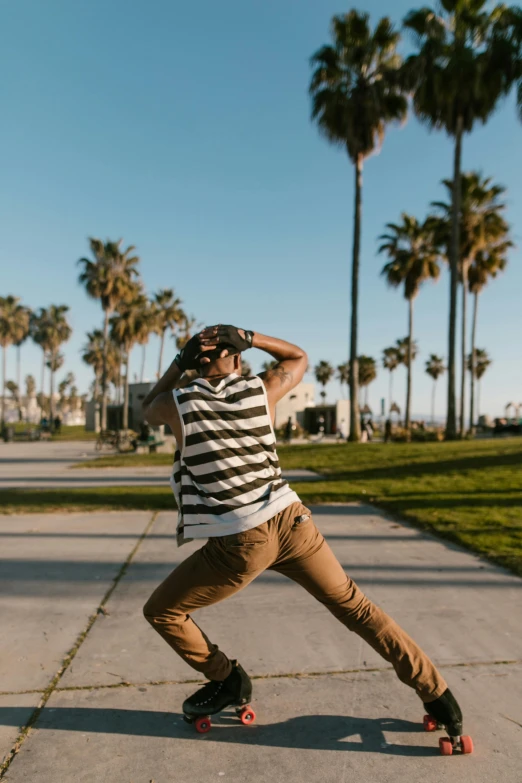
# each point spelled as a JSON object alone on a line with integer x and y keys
{"x": 51, "y": 465}
{"x": 329, "y": 709}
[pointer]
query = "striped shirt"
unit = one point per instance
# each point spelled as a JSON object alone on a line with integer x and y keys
{"x": 226, "y": 476}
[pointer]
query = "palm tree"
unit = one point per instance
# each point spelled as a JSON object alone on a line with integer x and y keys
{"x": 435, "y": 368}
{"x": 246, "y": 369}
{"x": 23, "y": 334}
{"x": 323, "y": 374}
{"x": 367, "y": 373}
{"x": 30, "y": 385}
{"x": 343, "y": 374}
{"x": 14, "y": 391}
{"x": 407, "y": 352}
{"x": 481, "y": 227}
{"x": 37, "y": 328}
{"x": 188, "y": 326}
{"x": 125, "y": 331}
{"x": 356, "y": 93}
{"x": 14, "y": 323}
{"x": 390, "y": 362}
{"x": 168, "y": 316}
{"x": 110, "y": 279}
{"x": 481, "y": 363}
{"x": 92, "y": 354}
{"x": 269, "y": 365}
{"x": 486, "y": 265}
{"x": 54, "y": 363}
{"x": 56, "y": 332}
{"x": 463, "y": 45}
{"x": 413, "y": 260}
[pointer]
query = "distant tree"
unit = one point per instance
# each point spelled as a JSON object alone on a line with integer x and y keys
{"x": 14, "y": 324}
{"x": 246, "y": 369}
{"x": 459, "y": 44}
{"x": 367, "y": 373}
{"x": 481, "y": 364}
{"x": 356, "y": 92}
{"x": 109, "y": 278}
{"x": 390, "y": 362}
{"x": 343, "y": 375}
{"x": 14, "y": 391}
{"x": 483, "y": 230}
{"x": 168, "y": 315}
{"x": 30, "y": 385}
{"x": 323, "y": 375}
{"x": 413, "y": 259}
{"x": 435, "y": 368}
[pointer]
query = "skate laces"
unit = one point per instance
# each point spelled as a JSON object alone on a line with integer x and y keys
{"x": 208, "y": 692}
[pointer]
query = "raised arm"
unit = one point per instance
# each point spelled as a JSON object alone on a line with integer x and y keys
{"x": 291, "y": 365}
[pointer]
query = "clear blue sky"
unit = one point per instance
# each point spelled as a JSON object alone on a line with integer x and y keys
{"x": 184, "y": 128}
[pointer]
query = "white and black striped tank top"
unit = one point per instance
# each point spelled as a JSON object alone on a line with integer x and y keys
{"x": 226, "y": 475}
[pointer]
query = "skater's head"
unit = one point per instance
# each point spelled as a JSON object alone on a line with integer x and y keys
{"x": 220, "y": 365}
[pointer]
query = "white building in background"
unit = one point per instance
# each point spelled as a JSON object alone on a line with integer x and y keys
{"x": 294, "y": 404}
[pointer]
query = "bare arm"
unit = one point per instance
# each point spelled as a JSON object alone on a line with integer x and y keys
{"x": 159, "y": 406}
{"x": 291, "y": 365}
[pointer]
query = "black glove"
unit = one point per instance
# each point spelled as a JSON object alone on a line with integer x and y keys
{"x": 229, "y": 335}
{"x": 189, "y": 356}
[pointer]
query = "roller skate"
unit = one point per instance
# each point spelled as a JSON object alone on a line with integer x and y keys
{"x": 445, "y": 713}
{"x": 216, "y": 696}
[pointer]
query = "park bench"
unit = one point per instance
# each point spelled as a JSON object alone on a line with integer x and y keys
{"x": 148, "y": 446}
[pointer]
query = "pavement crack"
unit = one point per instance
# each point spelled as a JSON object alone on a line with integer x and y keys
{"x": 67, "y": 660}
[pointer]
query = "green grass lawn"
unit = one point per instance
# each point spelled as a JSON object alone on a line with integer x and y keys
{"x": 468, "y": 492}
{"x": 76, "y": 432}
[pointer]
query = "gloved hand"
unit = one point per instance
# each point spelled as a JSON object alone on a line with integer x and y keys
{"x": 226, "y": 334}
{"x": 189, "y": 356}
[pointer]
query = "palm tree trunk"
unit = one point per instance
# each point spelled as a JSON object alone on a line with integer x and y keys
{"x": 355, "y": 424}
{"x": 451, "y": 417}
{"x": 472, "y": 373}
{"x": 463, "y": 348}
{"x": 42, "y": 386}
{"x": 479, "y": 386}
{"x": 390, "y": 392}
{"x": 161, "y": 354}
{"x": 143, "y": 362}
{"x": 51, "y": 400}
{"x": 104, "y": 369}
{"x": 433, "y": 403}
{"x": 19, "y": 368}
{"x": 126, "y": 393}
{"x": 4, "y": 362}
{"x": 96, "y": 391}
{"x": 410, "y": 362}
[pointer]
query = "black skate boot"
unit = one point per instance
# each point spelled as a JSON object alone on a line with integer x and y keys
{"x": 445, "y": 713}
{"x": 216, "y": 696}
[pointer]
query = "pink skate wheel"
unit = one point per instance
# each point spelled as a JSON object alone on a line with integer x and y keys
{"x": 203, "y": 725}
{"x": 445, "y": 746}
{"x": 247, "y": 716}
{"x": 466, "y": 744}
{"x": 429, "y": 723}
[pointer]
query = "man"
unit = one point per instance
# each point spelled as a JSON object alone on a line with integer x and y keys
{"x": 229, "y": 489}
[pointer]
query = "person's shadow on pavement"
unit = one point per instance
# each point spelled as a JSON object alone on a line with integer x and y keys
{"x": 312, "y": 732}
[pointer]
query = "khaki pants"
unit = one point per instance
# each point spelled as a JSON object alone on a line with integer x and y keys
{"x": 298, "y": 550}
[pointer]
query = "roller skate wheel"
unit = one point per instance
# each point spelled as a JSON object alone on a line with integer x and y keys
{"x": 445, "y": 746}
{"x": 466, "y": 744}
{"x": 203, "y": 725}
{"x": 429, "y": 723}
{"x": 247, "y": 716}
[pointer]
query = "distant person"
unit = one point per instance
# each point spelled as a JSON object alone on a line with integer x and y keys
{"x": 369, "y": 429}
{"x": 44, "y": 424}
{"x": 288, "y": 430}
{"x": 57, "y": 424}
{"x": 342, "y": 430}
{"x": 230, "y": 490}
{"x": 387, "y": 430}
